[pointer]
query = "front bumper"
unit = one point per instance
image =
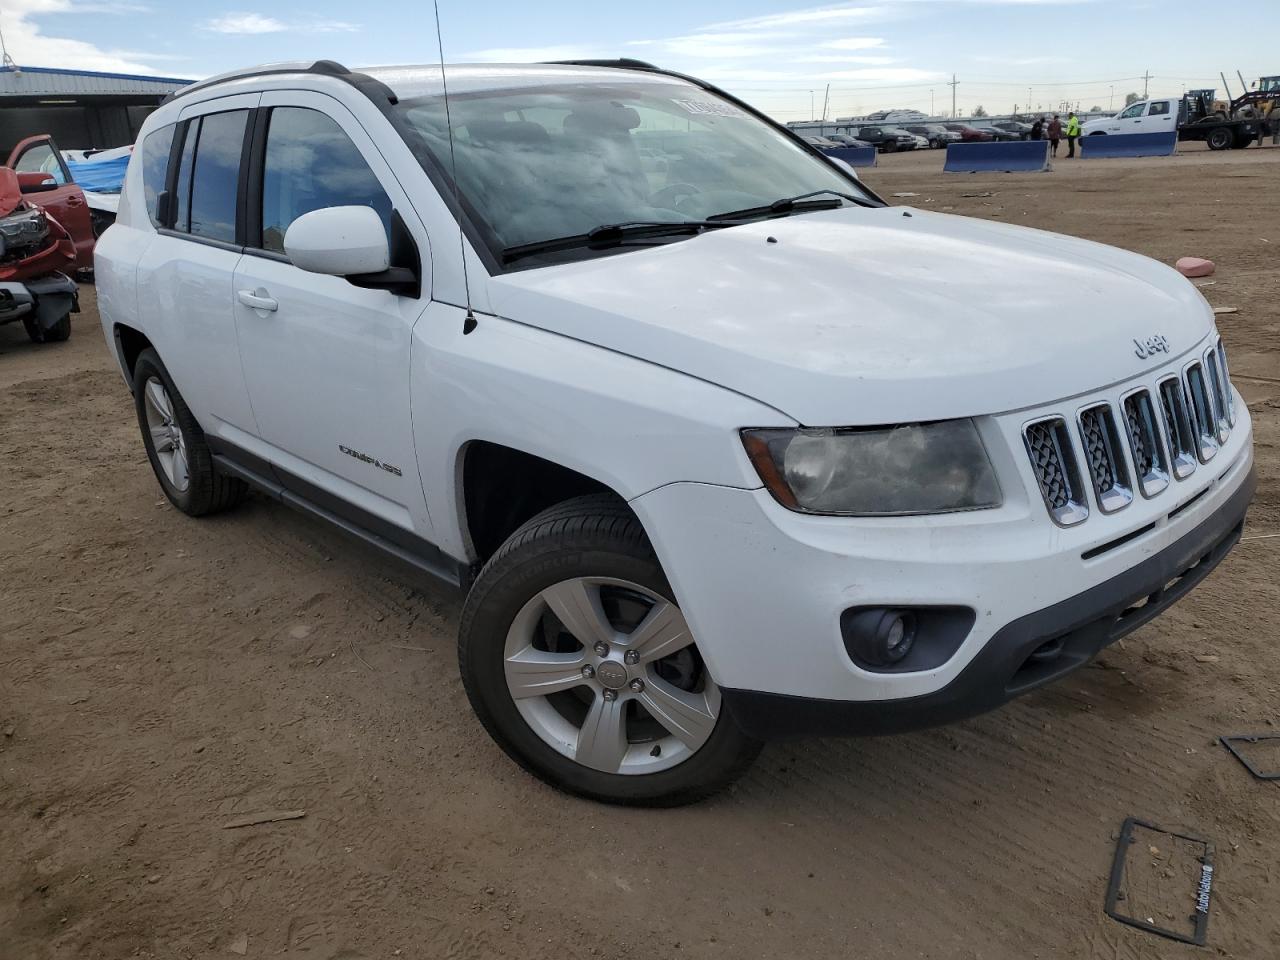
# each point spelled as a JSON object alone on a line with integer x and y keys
{"x": 1076, "y": 629}
{"x": 46, "y": 300}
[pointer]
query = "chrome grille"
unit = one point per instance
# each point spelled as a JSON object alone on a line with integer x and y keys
{"x": 1202, "y": 413}
{"x": 1107, "y": 467}
{"x": 1150, "y": 460}
{"x": 1229, "y": 400}
{"x": 1054, "y": 464}
{"x": 1177, "y": 425}
{"x": 1219, "y": 395}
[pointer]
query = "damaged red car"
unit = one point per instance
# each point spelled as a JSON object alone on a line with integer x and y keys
{"x": 34, "y": 250}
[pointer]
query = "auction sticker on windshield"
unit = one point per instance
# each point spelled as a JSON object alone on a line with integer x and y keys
{"x": 712, "y": 108}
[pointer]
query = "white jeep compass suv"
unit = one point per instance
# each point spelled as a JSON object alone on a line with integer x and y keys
{"x": 720, "y": 447}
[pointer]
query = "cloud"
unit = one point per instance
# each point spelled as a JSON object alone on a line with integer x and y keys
{"x": 245, "y": 23}
{"x": 254, "y": 24}
{"x": 813, "y": 16}
{"x": 30, "y": 46}
{"x": 854, "y": 43}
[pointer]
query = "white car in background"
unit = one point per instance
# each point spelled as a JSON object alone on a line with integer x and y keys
{"x": 718, "y": 447}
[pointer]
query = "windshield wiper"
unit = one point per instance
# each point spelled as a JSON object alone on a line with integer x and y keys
{"x": 798, "y": 204}
{"x": 615, "y": 235}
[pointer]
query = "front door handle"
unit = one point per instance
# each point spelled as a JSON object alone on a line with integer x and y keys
{"x": 74, "y": 201}
{"x": 258, "y": 300}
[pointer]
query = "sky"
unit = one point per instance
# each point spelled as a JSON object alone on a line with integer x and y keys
{"x": 779, "y": 55}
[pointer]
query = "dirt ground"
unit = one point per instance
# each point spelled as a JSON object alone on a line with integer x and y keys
{"x": 161, "y": 676}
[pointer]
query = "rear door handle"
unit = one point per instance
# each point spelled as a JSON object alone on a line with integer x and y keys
{"x": 258, "y": 300}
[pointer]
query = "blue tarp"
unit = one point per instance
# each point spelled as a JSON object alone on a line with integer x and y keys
{"x": 1005, "y": 157}
{"x": 1129, "y": 145}
{"x": 102, "y": 176}
{"x": 853, "y": 156}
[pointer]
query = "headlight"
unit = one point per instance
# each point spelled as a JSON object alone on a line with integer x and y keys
{"x": 877, "y": 471}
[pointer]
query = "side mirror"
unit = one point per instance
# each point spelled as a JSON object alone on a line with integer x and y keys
{"x": 36, "y": 182}
{"x": 339, "y": 242}
{"x": 847, "y": 168}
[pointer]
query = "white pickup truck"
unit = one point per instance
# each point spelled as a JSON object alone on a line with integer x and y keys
{"x": 1192, "y": 117}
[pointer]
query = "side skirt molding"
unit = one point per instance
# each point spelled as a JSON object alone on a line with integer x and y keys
{"x": 297, "y": 493}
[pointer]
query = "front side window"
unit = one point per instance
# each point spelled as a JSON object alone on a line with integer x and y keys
{"x": 215, "y": 175}
{"x": 155, "y": 167}
{"x": 41, "y": 159}
{"x": 311, "y": 164}
{"x": 1133, "y": 111}
{"x": 543, "y": 162}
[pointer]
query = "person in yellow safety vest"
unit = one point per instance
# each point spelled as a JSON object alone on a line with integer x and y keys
{"x": 1073, "y": 133}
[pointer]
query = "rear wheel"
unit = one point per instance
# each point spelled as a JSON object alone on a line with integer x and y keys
{"x": 580, "y": 664}
{"x": 59, "y": 332}
{"x": 176, "y": 446}
{"x": 1220, "y": 138}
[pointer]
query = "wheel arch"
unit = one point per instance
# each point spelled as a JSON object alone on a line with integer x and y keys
{"x": 499, "y": 487}
{"x": 129, "y": 342}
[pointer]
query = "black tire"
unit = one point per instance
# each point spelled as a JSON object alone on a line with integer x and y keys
{"x": 1220, "y": 138}
{"x": 594, "y": 535}
{"x": 208, "y": 490}
{"x": 58, "y": 333}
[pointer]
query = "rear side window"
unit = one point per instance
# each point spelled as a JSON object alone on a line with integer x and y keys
{"x": 155, "y": 168}
{"x": 1158, "y": 108}
{"x": 215, "y": 175}
{"x": 311, "y": 164}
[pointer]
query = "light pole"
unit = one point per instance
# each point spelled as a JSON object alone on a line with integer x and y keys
{"x": 810, "y": 104}
{"x": 1111, "y": 102}
{"x": 932, "y": 113}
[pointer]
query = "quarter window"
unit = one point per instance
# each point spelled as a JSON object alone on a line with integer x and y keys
{"x": 216, "y": 174}
{"x": 310, "y": 164}
{"x": 155, "y": 167}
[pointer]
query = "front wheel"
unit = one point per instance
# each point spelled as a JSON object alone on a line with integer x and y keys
{"x": 582, "y": 668}
{"x": 60, "y": 331}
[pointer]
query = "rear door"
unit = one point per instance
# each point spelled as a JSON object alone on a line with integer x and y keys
{"x": 1161, "y": 117}
{"x": 185, "y": 276}
{"x": 65, "y": 204}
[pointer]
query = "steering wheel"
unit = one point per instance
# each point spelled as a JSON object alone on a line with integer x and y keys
{"x": 668, "y": 195}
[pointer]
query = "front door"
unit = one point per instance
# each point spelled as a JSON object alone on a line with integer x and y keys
{"x": 327, "y": 363}
{"x": 66, "y": 204}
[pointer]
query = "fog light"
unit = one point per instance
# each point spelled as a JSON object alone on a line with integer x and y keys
{"x": 881, "y": 637}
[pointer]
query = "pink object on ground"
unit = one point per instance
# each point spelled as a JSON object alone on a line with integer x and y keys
{"x": 1194, "y": 267}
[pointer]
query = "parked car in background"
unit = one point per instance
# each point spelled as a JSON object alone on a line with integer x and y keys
{"x": 887, "y": 139}
{"x": 822, "y": 143}
{"x": 936, "y": 134}
{"x": 896, "y": 116}
{"x": 969, "y": 134}
{"x": 66, "y": 201}
{"x": 1015, "y": 126}
{"x": 34, "y": 250}
{"x": 845, "y": 140}
{"x": 998, "y": 133}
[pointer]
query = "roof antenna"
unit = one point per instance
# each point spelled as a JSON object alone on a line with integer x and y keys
{"x": 469, "y": 323}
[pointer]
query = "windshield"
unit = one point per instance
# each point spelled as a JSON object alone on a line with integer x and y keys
{"x": 548, "y": 161}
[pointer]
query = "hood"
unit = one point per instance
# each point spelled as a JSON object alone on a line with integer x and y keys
{"x": 869, "y": 316}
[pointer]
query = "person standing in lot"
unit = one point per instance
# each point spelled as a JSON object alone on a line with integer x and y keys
{"x": 1073, "y": 133}
{"x": 1055, "y": 134}
{"x": 1037, "y": 129}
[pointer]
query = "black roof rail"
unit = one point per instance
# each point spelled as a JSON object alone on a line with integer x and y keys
{"x": 621, "y": 63}
{"x": 329, "y": 68}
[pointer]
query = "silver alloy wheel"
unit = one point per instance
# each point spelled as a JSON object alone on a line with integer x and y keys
{"x": 610, "y": 671}
{"x": 166, "y": 436}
